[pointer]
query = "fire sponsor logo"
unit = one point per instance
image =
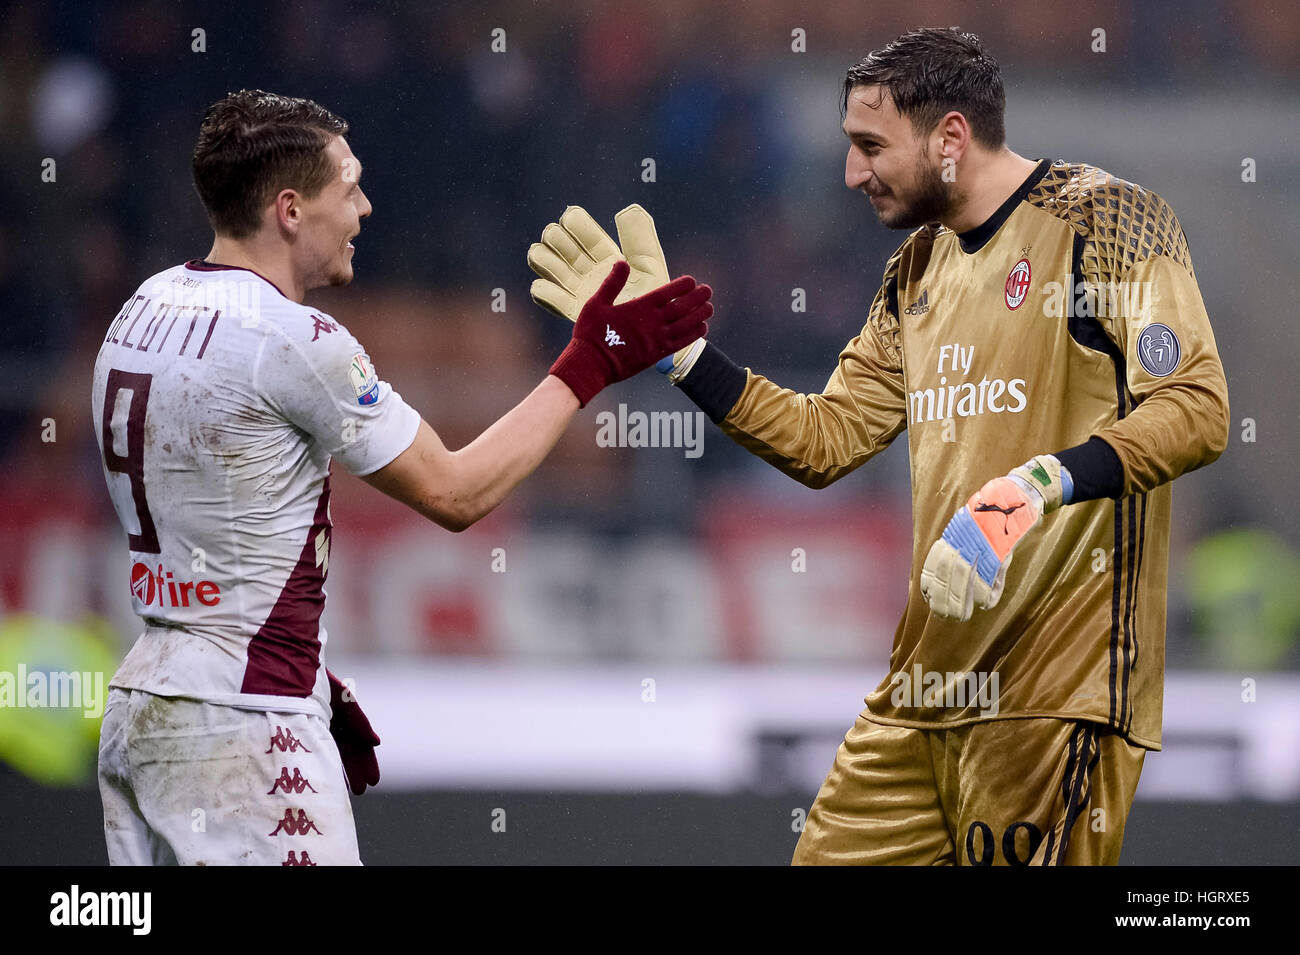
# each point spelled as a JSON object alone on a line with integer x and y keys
{"x": 295, "y": 859}
{"x": 1017, "y": 286}
{"x": 286, "y": 742}
{"x": 298, "y": 825}
{"x": 296, "y": 784}
{"x": 156, "y": 587}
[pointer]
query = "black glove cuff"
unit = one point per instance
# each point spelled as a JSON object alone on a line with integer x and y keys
{"x": 1095, "y": 469}
{"x": 714, "y": 383}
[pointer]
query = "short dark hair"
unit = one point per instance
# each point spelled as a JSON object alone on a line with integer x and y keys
{"x": 931, "y": 71}
{"x": 251, "y": 145}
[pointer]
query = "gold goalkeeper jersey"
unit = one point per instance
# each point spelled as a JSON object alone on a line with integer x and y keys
{"x": 1072, "y": 313}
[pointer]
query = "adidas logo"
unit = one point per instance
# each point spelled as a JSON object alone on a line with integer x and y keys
{"x": 611, "y": 337}
{"x": 920, "y": 306}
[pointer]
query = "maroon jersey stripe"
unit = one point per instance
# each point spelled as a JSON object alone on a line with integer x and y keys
{"x": 284, "y": 655}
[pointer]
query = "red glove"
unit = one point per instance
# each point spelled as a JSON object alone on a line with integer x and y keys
{"x": 353, "y": 736}
{"x": 612, "y": 342}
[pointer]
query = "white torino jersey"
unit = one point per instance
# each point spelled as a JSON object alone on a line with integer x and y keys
{"x": 218, "y": 404}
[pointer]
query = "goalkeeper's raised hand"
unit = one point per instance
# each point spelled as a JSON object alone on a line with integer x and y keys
{"x": 967, "y": 566}
{"x": 612, "y": 341}
{"x": 575, "y": 255}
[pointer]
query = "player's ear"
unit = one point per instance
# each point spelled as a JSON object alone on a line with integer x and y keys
{"x": 952, "y": 134}
{"x": 287, "y": 209}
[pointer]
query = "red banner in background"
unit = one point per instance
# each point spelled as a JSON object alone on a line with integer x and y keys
{"x": 55, "y": 543}
{"x": 809, "y": 583}
{"x": 760, "y": 582}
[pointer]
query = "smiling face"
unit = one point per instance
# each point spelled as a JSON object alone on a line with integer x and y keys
{"x": 327, "y": 222}
{"x": 890, "y": 163}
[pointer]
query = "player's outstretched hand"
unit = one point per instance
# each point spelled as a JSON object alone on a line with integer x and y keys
{"x": 353, "y": 736}
{"x": 967, "y": 567}
{"x": 612, "y": 342}
{"x": 575, "y": 255}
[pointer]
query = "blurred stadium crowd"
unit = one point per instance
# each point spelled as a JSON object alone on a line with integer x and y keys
{"x": 469, "y": 152}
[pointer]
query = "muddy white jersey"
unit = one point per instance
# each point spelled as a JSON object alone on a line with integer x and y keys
{"x": 218, "y": 404}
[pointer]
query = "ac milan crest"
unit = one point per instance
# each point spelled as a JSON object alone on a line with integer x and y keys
{"x": 1017, "y": 284}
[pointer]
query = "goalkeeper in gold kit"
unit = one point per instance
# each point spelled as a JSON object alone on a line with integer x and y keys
{"x": 1041, "y": 339}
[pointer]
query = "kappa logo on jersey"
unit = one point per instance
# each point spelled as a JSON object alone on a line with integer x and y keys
{"x": 1158, "y": 349}
{"x": 611, "y": 337}
{"x": 322, "y": 325}
{"x": 920, "y": 306}
{"x": 1017, "y": 286}
{"x": 286, "y": 742}
{"x": 298, "y": 825}
{"x": 160, "y": 588}
{"x": 295, "y": 859}
{"x": 364, "y": 380}
{"x": 295, "y": 785}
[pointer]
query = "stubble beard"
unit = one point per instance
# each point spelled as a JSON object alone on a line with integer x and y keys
{"x": 929, "y": 201}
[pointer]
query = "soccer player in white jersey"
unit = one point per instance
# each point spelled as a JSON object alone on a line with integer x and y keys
{"x": 220, "y": 400}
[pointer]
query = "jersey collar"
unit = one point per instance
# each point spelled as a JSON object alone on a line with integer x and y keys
{"x": 203, "y": 265}
{"x": 975, "y": 239}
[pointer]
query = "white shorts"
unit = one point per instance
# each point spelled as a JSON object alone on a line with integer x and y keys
{"x": 191, "y": 783}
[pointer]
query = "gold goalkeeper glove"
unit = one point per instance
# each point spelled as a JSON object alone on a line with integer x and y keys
{"x": 575, "y": 255}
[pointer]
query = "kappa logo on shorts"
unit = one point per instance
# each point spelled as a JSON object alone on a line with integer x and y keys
{"x": 298, "y": 825}
{"x": 295, "y": 785}
{"x": 295, "y": 859}
{"x": 286, "y": 742}
{"x": 1158, "y": 349}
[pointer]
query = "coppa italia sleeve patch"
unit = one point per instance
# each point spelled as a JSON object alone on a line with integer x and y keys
{"x": 365, "y": 383}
